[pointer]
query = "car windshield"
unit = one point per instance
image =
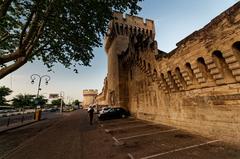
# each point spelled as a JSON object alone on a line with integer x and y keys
{"x": 111, "y": 110}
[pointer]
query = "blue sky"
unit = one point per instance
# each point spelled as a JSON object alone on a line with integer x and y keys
{"x": 174, "y": 20}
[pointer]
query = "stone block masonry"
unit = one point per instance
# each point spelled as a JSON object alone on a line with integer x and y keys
{"x": 89, "y": 96}
{"x": 194, "y": 87}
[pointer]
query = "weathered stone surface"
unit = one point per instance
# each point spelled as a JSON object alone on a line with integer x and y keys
{"x": 89, "y": 96}
{"x": 194, "y": 87}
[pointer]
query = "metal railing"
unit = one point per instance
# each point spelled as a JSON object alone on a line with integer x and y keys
{"x": 17, "y": 119}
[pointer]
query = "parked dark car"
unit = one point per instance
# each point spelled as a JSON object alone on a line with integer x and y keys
{"x": 54, "y": 109}
{"x": 114, "y": 113}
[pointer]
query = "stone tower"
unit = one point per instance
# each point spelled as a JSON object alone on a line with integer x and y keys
{"x": 89, "y": 96}
{"x": 121, "y": 34}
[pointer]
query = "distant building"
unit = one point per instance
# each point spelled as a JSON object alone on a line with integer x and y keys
{"x": 53, "y": 96}
{"x": 89, "y": 96}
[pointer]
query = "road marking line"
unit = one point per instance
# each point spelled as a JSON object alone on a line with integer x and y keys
{"x": 146, "y": 134}
{"x": 122, "y": 122}
{"x": 115, "y": 139}
{"x": 107, "y": 130}
{"x": 130, "y": 156}
{"x": 117, "y": 142}
{"x": 128, "y": 127}
{"x": 179, "y": 149}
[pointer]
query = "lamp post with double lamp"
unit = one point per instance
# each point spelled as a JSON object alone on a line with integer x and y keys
{"x": 37, "y": 114}
{"x": 35, "y": 76}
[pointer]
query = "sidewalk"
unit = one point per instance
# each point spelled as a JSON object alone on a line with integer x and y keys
{"x": 15, "y": 125}
{"x": 70, "y": 138}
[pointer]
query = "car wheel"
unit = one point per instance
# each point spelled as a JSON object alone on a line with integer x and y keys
{"x": 123, "y": 116}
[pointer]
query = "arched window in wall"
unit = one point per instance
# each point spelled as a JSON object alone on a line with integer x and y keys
{"x": 135, "y": 30}
{"x": 131, "y": 74}
{"x": 164, "y": 81}
{"x": 172, "y": 80}
{"x": 130, "y": 30}
{"x": 190, "y": 70}
{"x": 236, "y": 50}
{"x": 162, "y": 76}
{"x": 155, "y": 74}
{"x": 137, "y": 56}
{"x": 180, "y": 77}
{"x": 236, "y": 46}
{"x": 203, "y": 68}
{"x": 151, "y": 33}
{"x": 121, "y": 29}
{"x": 147, "y": 32}
{"x": 117, "y": 28}
{"x": 149, "y": 68}
{"x": 140, "y": 62}
{"x": 132, "y": 39}
{"x": 143, "y": 32}
{"x": 126, "y": 30}
{"x": 139, "y": 31}
{"x": 221, "y": 64}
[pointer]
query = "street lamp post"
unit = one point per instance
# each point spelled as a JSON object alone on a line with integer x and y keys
{"x": 37, "y": 114}
{"x": 35, "y": 76}
{"x": 61, "y": 96}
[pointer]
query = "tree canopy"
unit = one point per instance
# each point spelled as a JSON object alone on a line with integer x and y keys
{"x": 57, "y": 102}
{"x": 28, "y": 100}
{"x": 40, "y": 100}
{"x": 4, "y": 91}
{"x": 76, "y": 102}
{"x": 23, "y": 100}
{"x": 54, "y": 31}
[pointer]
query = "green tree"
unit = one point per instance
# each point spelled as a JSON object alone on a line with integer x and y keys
{"x": 57, "y": 102}
{"x": 76, "y": 102}
{"x": 4, "y": 91}
{"x": 54, "y": 31}
{"x": 41, "y": 100}
{"x": 23, "y": 100}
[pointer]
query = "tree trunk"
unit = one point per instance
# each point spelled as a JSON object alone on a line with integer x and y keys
{"x": 9, "y": 69}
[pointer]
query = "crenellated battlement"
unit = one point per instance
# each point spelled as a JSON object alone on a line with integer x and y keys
{"x": 126, "y": 25}
{"x": 90, "y": 92}
{"x": 133, "y": 21}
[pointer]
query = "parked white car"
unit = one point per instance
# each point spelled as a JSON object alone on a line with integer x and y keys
{"x": 104, "y": 109}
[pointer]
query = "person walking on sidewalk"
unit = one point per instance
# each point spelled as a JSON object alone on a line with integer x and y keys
{"x": 90, "y": 112}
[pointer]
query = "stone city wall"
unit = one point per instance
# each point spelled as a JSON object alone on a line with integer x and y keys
{"x": 195, "y": 87}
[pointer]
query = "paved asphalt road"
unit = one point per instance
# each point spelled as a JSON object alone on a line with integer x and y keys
{"x": 72, "y": 137}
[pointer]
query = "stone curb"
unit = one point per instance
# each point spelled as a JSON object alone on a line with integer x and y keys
{"x": 17, "y": 126}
